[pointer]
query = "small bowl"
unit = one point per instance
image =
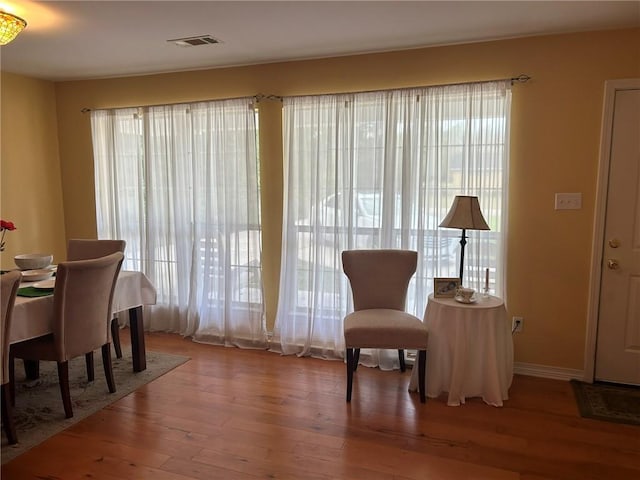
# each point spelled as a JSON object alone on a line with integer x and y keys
{"x": 33, "y": 261}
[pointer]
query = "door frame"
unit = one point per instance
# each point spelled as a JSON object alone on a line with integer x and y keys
{"x": 602, "y": 190}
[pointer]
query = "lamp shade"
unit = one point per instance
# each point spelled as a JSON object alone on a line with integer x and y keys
{"x": 465, "y": 213}
{"x": 10, "y": 27}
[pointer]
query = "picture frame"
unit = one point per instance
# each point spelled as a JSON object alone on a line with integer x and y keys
{"x": 445, "y": 287}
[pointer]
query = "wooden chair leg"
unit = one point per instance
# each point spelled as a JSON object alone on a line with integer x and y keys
{"x": 356, "y": 359}
{"x": 63, "y": 378}
{"x": 88, "y": 357}
{"x": 403, "y": 367}
{"x": 350, "y": 369}
{"x": 7, "y": 415}
{"x": 422, "y": 366}
{"x": 115, "y": 337}
{"x": 31, "y": 369}
{"x": 108, "y": 368}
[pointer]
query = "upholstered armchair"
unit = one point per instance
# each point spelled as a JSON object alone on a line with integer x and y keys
{"x": 379, "y": 281}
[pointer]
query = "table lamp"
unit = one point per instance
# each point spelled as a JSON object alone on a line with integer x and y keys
{"x": 465, "y": 214}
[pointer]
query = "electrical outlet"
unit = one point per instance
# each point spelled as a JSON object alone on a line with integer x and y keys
{"x": 517, "y": 324}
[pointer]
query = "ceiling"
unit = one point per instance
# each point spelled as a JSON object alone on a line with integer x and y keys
{"x": 96, "y": 39}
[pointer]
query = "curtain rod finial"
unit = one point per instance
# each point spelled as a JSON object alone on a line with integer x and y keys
{"x": 522, "y": 78}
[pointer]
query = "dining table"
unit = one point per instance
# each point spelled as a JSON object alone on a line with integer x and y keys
{"x": 33, "y": 316}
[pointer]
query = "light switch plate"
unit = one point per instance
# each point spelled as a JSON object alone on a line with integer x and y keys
{"x": 568, "y": 201}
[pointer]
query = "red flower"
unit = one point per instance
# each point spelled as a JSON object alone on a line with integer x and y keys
{"x": 6, "y": 225}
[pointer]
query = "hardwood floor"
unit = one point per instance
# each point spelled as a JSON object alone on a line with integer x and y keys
{"x": 247, "y": 414}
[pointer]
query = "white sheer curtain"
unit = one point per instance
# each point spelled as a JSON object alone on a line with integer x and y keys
{"x": 380, "y": 170}
{"x": 180, "y": 184}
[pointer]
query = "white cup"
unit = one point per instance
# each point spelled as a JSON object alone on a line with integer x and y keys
{"x": 465, "y": 294}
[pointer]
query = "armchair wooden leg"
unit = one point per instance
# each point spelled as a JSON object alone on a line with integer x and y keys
{"x": 115, "y": 337}
{"x": 356, "y": 359}
{"x": 88, "y": 357}
{"x": 7, "y": 415}
{"x": 108, "y": 368}
{"x": 63, "y": 378}
{"x": 422, "y": 366}
{"x": 350, "y": 369}
{"x": 403, "y": 367}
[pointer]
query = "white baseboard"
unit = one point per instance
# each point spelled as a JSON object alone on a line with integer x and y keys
{"x": 545, "y": 371}
{"x": 529, "y": 369}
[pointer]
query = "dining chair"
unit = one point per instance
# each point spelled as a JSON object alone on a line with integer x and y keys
{"x": 379, "y": 281}
{"x": 82, "y": 300}
{"x": 8, "y": 289}
{"x": 84, "y": 249}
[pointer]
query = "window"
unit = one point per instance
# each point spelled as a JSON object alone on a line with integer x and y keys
{"x": 180, "y": 184}
{"x": 380, "y": 170}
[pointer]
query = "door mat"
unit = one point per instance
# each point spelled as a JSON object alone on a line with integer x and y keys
{"x": 608, "y": 401}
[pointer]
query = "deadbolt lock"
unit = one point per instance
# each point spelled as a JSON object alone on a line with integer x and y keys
{"x": 614, "y": 243}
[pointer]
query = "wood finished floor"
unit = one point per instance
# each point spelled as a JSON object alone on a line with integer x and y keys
{"x": 247, "y": 414}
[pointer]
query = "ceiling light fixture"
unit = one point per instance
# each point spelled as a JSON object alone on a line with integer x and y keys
{"x": 10, "y": 26}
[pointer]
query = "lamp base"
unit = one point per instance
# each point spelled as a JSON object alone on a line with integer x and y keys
{"x": 463, "y": 243}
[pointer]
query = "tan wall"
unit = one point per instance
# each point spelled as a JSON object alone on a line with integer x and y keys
{"x": 555, "y": 133}
{"x": 31, "y": 195}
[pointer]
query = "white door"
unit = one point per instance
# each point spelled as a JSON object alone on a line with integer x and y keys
{"x": 618, "y": 338}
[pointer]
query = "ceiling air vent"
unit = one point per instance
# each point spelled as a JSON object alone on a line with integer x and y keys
{"x": 194, "y": 41}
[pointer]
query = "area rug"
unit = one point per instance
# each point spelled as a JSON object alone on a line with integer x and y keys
{"x": 608, "y": 402}
{"x": 39, "y": 413}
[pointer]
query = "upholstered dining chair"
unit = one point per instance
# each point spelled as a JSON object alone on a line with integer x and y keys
{"x": 379, "y": 281}
{"x": 84, "y": 249}
{"x": 82, "y": 300}
{"x": 8, "y": 289}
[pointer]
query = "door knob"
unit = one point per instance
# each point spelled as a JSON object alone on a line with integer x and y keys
{"x": 614, "y": 243}
{"x": 613, "y": 264}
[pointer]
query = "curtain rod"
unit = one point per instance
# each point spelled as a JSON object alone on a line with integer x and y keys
{"x": 257, "y": 98}
{"x": 522, "y": 78}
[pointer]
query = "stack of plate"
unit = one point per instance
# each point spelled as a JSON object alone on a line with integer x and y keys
{"x": 46, "y": 285}
{"x": 36, "y": 275}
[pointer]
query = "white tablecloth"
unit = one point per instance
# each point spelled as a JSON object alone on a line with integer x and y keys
{"x": 33, "y": 316}
{"x": 470, "y": 351}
